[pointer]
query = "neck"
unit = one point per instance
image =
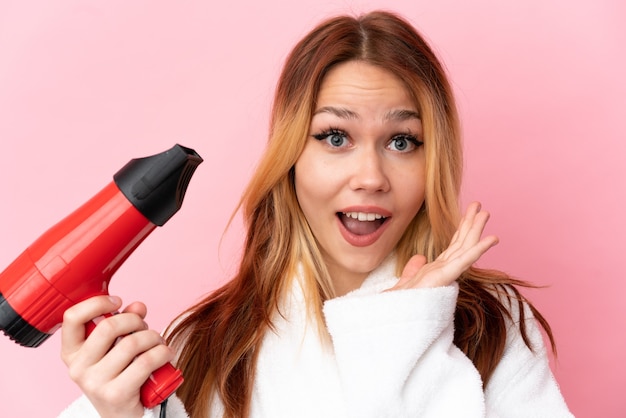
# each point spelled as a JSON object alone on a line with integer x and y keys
{"x": 344, "y": 283}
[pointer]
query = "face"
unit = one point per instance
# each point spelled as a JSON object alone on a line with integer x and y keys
{"x": 360, "y": 178}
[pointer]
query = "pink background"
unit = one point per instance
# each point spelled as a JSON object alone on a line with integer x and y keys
{"x": 86, "y": 85}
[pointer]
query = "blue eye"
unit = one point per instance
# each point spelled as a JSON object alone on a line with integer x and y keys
{"x": 404, "y": 143}
{"x": 334, "y": 137}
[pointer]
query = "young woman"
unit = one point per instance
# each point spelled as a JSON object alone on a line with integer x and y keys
{"x": 356, "y": 295}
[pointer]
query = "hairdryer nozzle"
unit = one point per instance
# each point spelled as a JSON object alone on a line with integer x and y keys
{"x": 156, "y": 185}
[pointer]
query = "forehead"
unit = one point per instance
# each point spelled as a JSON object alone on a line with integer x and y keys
{"x": 353, "y": 82}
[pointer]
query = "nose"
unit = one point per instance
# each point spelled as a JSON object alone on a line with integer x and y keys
{"x": 368, "y": 171}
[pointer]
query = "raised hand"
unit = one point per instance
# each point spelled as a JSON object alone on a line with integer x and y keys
{"x": 110, "y": 370}
{"x": 465, "y": 248}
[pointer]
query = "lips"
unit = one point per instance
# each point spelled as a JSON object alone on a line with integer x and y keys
{"x": 362, "y": 228}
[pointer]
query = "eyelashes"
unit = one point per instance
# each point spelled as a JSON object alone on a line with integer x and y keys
{"x": 405, "y": 141}
{"x": 401, "y": 142}
{"x": 333, "y": 136}
{"x": 328, "y": 132}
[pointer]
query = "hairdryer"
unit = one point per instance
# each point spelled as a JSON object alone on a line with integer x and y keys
{"x": 75, "y": 259}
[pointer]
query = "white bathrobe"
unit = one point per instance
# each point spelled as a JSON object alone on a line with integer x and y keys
{"x": 392, "y": 355}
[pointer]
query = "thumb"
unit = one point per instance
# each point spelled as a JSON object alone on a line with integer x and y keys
{"x": 411, "y": 268}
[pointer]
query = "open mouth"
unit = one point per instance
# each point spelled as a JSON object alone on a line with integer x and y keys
{"x": 361, "y": 223}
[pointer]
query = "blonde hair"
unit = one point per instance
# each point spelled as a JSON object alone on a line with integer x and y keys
{"x": 218, "y": 339}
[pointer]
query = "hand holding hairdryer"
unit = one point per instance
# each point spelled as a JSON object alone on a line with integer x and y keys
{"x": 75, "y": 259}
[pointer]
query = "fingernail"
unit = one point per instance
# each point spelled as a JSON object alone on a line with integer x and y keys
{"x": 116, "y": 300}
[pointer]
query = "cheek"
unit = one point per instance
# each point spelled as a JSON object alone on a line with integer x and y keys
{"x": 409, "y": 175}
{"x": 412, "y": 185}
{"x": 308, "y": 187}
{"x": 315, "y": 181}
{"x": 418, "y": 185}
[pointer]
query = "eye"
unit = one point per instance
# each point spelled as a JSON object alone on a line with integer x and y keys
{"x": 404, "y": 143}
{"x": 333, "y": 137}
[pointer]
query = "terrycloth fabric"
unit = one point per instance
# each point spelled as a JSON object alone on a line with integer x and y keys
{"x": 391, "y": 355}
{"x": 82, "y": 408}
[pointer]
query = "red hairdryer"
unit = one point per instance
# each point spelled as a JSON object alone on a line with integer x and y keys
{"x": 75, "y": 259}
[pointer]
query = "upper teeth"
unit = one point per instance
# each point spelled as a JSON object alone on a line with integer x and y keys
{"x": 362, "y": 216}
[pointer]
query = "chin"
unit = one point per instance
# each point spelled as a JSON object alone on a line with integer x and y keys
{"x": 364, "y": 265}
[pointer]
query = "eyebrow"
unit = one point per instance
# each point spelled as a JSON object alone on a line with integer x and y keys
{"x": 340, "y": 112}
{"x": 402, "y": 114}
{"x": 343, "y": 113}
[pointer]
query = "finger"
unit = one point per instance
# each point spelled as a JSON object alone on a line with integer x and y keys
{"x": 465, "y": 225}
{"x": 127, "y": 350}
{"x": 476, "y": 229}
{"x": 411, "y": 269}
{"x": 144, "y": 365}
{"x": 120, "y": 392}
{"x": 470, "y": 231}
{"x": 444, "y": 272}
{"x": 107, "y": 333}
{"x": 75, "y": 318}
{"x": 137, "y": 308}
{"x": 465, "y": 259}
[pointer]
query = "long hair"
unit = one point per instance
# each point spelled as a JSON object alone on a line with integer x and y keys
{"x": 218, "y": 339}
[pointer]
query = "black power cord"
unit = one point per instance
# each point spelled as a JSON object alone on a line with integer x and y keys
{"x": 163, "y": 409}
